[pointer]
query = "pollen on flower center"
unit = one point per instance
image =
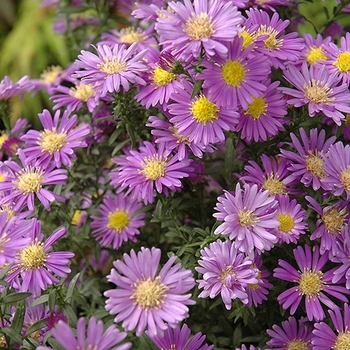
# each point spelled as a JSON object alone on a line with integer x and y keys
{"x": 334, "y": 220}
{"x": 257, "y": 108}
{"x": 149, "y": 293}
{"x": 310, "y": 282}
{"x": 180, "y": 138}
{"x": 274, "y": 185}
{"x": 225, "y": 273}
{"x": 203, "y": 110}
{"x": 345, "y": 178}
{"x": 317, "y": 91}
{"x": 3, "y": 138}
{"x": 343, "y": 62}
{"x": 198, "y": 27}
{"x": 315, "y": 165}
{"x": 342, "y": 342}
{"x": 50, "y": 74}
{"x": 271, "y": 42}
{"x": 112, "y": 66}
{"x": 82, "y": 92}
{"x": 286, "y": 222}
{"x": 246, "y": 218}
{"x": 297, "y": 344}
{"x": 315, "y": 54}
{"x": 118, "y": 220}
{"x": 162, "y": 77}
{"x": 233, "y": 72}
{"x": 29, "y": 180}
{"x": 32, "y": 257}
{"x": 10, "y": 212}
{"x": 129, "y": 35}
{"x": 248, "y": 39}
{"x": 51, "y": 141}
{"x": 153, "y": 167}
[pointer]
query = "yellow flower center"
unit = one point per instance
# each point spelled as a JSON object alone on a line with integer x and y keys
{"x": 315, "y": 54}
{"x": 246, "y": 218}
{"x": 342, "y": 342}
{"x": 9, "y": 210}
{"x": 76, "y": 217}
{"x": 129, "y": 35}
{"x": 3, "y": 138}
{"x": 271, "y": 43}
{"x": 82, "y": 92}
{"x": 286, "y": 222}
{"x": 161, "y": 77}
{"x": 112, "y": 66}
{"x": 225, "y": 273}
{"x": 297, "y": 344}
{"x": 274, "y": 185}
{"x": 2, "y": 177}
{"x": 50, "y": 74}
{"x": 255, "y": 286}
{"x": 198, "y": 27}
{"x": 149, "y": 293}
{"x": 317, "y": 92}
{"x": 118, "y": 220}
{"x": 153, "y": 167}
{"x": 51, "y": 141}
{"x": 257, "y": 108}
{"x": 310, "y": 282}
{"x": 203, "y": 110}
{"x": 233, "y": 72}
{"x": 343, "y": 62}
{"x": 32, "y": 257}
{"x": 248, "y": 39}
{"x": 315, "y": 165}
{"x": 29, "y": 180}
{"x": 334, "y": 220}
{"x": 345, "y": 178}
{"x": 180, "y": 138}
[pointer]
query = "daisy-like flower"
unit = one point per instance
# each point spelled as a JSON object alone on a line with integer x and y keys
{"x": 292, "y": 220}
{"x": 94, "y": 337}
{"x": 236, "y": 79}
{"x": 149, "y": 169}
{"x": 319, "y": 90}
{"x": 336, "y": 337}
{"x": 146, "y": 299}
{"x": 308, "y": 164}
{"x": 342, "y": 257}
{"x": 26, "y": 182}
{"x": 337, "y": 169}
{"x": 294, "y": 334}
{"x": 249, "y": 218}
{"x": 312, "y": 283}
{"x": 180, "y": 338}
{"x": 225, "y": 271}
{"x": 315, "y": 48}
{"x": 188, "y": 27}
{"x": 199, "y": 118}
{"x": 36, "y": 263}
{"x": 112, "y": 67}
{"x": 9, "y": 89}
{"x": 57, "y": 141}
{"x": 118, "y": 221}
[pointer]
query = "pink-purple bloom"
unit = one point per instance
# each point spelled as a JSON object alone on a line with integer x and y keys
{"x": 9, "y": 89}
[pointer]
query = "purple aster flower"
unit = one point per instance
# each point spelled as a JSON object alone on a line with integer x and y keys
{"x": 9, "y": 89}
{"x": 342, "y": 257}
{"x": 312, "y": 282}
{"x": 94, "y": 337}
{"x": 249, "y": 218}
{"x": 237, "y": 79}
{"x": 270, "y": 5}
{"x": 315, "y": 48}
{"x": 319, "y": 90}
{"x": 226, "y": 271}
{"x": 146, "y": 299}
{"x": 199, "y": 118}
{"x": 26, "y": 182}
{"x": 188, "y": 27}
{"x": 335, "y": 336}
{"x": 118, "y": 221}
{"x": 112, "y": 68}
{"x": 292, "y": 335}
{"x": 36, "y": 263}
{"x": 307, "y": 165}
{"x": 147, "y": 170}
{"x": 57, "y": 141}
{"x": 180, "y": 339}
{"x": 32, "y": 315}
{"x": 251, "y": 347}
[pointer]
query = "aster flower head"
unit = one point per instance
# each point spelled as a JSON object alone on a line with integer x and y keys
{"x": 9, "y": 89}
{"x": 341, "y": 257}
{"x": 180, "y": 338}
{"x": 312, "y": 281}
{"x": 188, "y": 27}
{"x": 57, "y": 142}
{"x": 315, "y": 48}
{"x": 248, "y": 216}
{"x": 112, "y": 68}
{"x": 36, "y": 264}
{"x": 94, "y": 337}
{"x": 149, "y": 169}
{"x": 292, "y": 334}
{"x": 146, "y": 299}
{"x": 118, "y": 221}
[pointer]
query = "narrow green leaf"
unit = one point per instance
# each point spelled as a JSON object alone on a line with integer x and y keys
{"x": 14, "y": 297}
{"x": 229, "y": 158}
{"x": 12, "y": 334}
{"x": 70, "y": 288}
{"x": 52, "y": 300}
{"x": 196, "y": 87}
{"x": 18, "y": 319}
{"x": 36, "y": 327}
{"x": 41, "y": 300}
{"x": 72, "y": 318}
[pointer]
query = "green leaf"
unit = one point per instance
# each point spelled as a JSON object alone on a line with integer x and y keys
{"x": 41, "y": 300}
{"x": 38, "y": 325}
{"x": 14, "y": 297}
{"x": 229, "y": 158}
{"x": 70, "y": 288}
{"x": 11, "y": 333}
{"x": 18, "y": 319}
{"x": 196, "y": 87}
{"x": 114, "y": 136}
{"x": 52, "y": 299}
{"x": 72, "y": 318}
